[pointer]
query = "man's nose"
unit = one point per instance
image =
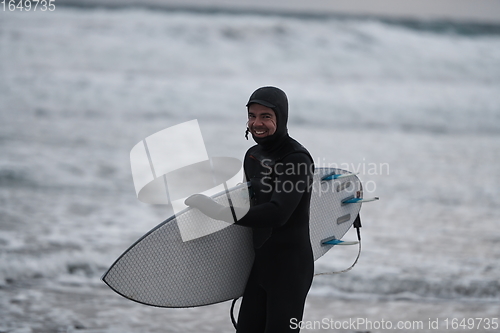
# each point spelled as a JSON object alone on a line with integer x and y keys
{"x": 258, "y": 122}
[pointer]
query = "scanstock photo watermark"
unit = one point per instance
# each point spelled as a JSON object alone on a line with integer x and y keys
{"x": 270, "y": 181}
{"x": 363, "y": 324}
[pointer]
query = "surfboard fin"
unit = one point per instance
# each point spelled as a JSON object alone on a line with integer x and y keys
{"x": 356, "y": 200}
{"x": 338, "y": 242}
{"x": 337, "y": 176}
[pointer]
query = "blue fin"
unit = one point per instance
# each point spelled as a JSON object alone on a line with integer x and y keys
{"x": 338, "y": 242}
{"x": 355, "y": 200}
{"x": 337, "y": 176}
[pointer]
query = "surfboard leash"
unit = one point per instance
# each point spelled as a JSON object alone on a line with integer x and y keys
{"x": 356, "y": 224}
{"x": 231, "y": 312}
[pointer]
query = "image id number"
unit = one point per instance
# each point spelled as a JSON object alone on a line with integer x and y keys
{"x": 471, "y": 323}
{"x": 28, "y": 5}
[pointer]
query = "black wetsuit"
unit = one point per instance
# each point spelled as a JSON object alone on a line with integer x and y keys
{"x": 283, "y": 268}
{"x": 280, "y": 171}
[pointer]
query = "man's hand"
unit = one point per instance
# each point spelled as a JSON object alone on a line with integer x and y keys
{"x": 206, "y": 205}
{"x": 199, "y": 200}
{"x": 214, "y": 210}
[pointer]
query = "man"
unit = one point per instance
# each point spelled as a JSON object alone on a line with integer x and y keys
{"x": 280, "y": 171}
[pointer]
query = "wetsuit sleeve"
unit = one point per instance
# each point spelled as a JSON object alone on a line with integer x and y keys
{"x": 294, "y": 178}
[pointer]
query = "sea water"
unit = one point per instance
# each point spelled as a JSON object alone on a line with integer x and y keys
{"x": 413, "y": 108}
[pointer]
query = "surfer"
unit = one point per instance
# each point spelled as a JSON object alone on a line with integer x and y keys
{"x": 280, "y": 171}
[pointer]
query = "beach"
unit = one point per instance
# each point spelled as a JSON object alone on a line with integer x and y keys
{"x": 413, "y": 108}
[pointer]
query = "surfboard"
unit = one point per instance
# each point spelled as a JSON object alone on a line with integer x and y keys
{"x": 160, "y": 269}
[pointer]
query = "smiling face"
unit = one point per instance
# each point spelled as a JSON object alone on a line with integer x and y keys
{"x": 261, "y": 120}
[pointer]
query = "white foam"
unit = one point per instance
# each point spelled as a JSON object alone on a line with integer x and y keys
{"x": 82, "y": 87}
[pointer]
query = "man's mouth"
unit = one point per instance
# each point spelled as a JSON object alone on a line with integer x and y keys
{"x": 259, "y": 131}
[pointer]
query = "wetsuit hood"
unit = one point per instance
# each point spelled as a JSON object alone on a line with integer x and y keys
{"x": 275, "y": 99}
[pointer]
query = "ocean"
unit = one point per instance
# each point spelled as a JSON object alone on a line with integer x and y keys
{"x": 414, "y": 107}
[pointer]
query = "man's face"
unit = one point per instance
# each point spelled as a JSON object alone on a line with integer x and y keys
{"x": 261, "y": 120}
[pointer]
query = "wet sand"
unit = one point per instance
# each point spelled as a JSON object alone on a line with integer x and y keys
{"x": 94, "y": 308}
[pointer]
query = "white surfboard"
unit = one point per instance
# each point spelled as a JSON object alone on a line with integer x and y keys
{"x": 161, "y": 269}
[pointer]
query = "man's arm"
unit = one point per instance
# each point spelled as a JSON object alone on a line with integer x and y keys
{"x": 294, "y": 177}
